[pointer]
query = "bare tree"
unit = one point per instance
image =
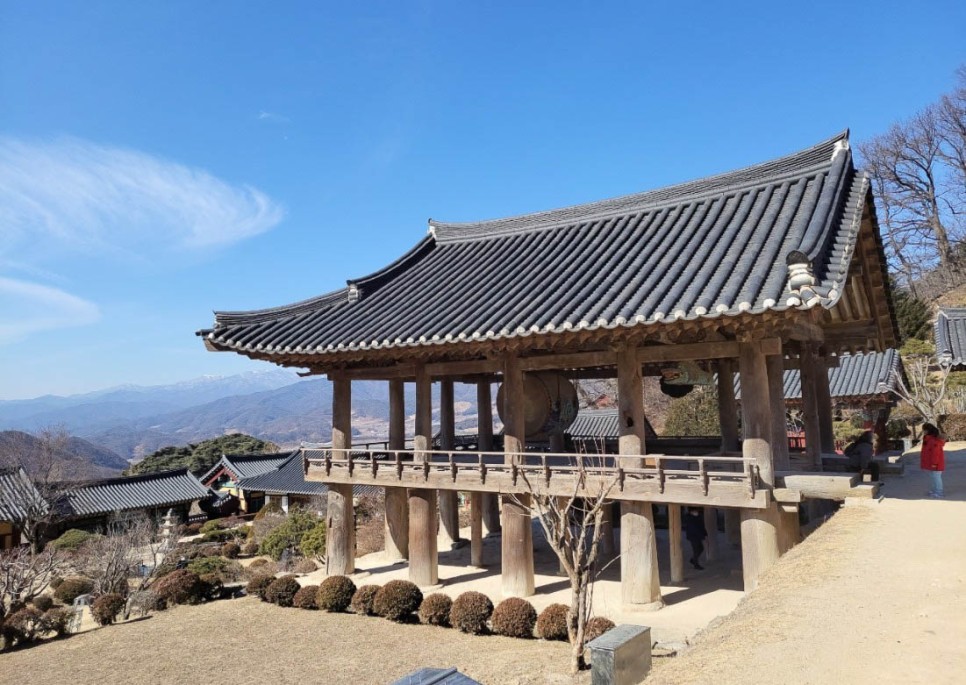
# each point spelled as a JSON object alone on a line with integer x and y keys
{"x": 113, "y": 559}
{"x": 25, "y": 574}
{"x": 572, "y": 524}
{"x": 927, "y": 386}
{"x": 918, "y": 169}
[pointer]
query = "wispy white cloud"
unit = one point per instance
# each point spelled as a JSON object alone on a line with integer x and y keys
{"x": 273, "y": 118}
{"x": 69, "y": 195}
{"x": 31, "y": 307}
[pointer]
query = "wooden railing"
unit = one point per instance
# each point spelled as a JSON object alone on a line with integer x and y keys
{"x": 387, "y": 465}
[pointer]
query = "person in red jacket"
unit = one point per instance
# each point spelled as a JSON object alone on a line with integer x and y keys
{"x": 932, "y": 458}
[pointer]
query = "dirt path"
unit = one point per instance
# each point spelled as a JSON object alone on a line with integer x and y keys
{"x": 876, "y": 595}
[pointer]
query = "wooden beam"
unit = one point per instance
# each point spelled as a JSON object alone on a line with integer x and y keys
{"x": 464, "y": 368}
{"x": 699, "y": 351}
{"x": 574, "y": 360}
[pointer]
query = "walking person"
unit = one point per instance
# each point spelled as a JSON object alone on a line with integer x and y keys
{"x": 932, "y": 458}
{"x": 696, "y": 534}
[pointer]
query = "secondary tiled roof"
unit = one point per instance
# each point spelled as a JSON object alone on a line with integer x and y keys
{"x": 600, "y": 423}
{"x": 289, "y": 479}
{"x": 705, "y": 249}
{"x": 148, "y": 491}
{"x": 246, "y": 465}
{"x": 18, "y": 496}
{"x": 951, "y": 336}
{"x": 857, "y": 376}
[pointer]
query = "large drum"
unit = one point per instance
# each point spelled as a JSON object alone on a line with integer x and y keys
{"x": 549, "y": 404}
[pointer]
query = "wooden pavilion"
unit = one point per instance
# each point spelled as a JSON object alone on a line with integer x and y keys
{"x": 778, "y": 265}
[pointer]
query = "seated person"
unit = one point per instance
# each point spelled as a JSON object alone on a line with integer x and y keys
{"x": 860, "y": 454}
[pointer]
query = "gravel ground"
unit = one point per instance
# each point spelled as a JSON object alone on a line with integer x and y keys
{"x": 245, "y": 641}
{"x": 876, "y": 595}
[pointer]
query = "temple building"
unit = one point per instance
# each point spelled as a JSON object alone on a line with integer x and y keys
{"x": 776, "y": 266}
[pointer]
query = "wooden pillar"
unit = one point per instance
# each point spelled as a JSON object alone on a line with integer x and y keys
{"x": 476, "y": 529}
{"x": 484, "y": 407}
{"x": 423, "y": 558}
{"x": 517, "y": 542}
{"x": 727, "y": 406}
{"x": 789, "y": 530}
{"x": 640, "y": 579}
{"x": 397, "y": 501}
{"x": 449, "y": 514}
{"x": 340, "y": 548}
{"x": 824, "y": 400}
{"x": 711, "y": 525}
{"x": 733, "y": 527}
{"x": 775, "y": 366}
{"x": 423, "y": 561}
{"x": 675, "y": 542}
{"x": 759, "y": 527}
{"x": 810, "y": 409}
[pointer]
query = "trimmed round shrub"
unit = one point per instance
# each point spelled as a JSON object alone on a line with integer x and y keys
{"x": 56, "y": 621}
{"x": 72, "y": 588}
{"x": 72, "y": 539}
{"x": 435, "y": 609}
{"x": 211, "y": 526}
{"x": 211, "y": 586}
{"x": 514, "y": 617}
{"x": 397, "y": 600}
{"x": 106, "y": 608}
{"x": 313, "y": 542}
{"x": 363, "y": 599}
{"x": 258, "y": 584}
{"x": 144, "y": 602}
{"x": 552, "y": 622}
{"x": 596, "y": 627}
{"x": 305, "y": 566}
{"x": 181, "y": 587}
{"x": 222, "y": 535}
{"x": 281, "y": 591}
{"x": 470, "y": 612}
{"x": 193, "y": 529}
{"x": 225, "y": 569}
{"x": 335, "y": 594}
{"x": 306, "y": 597}
{"x": 42, "y": 602}
{"x": 23, "y": 626}
{"x": 250, "y": 548}
{"x": 270, "y": 508}
{"x": 55, "y": 582}
{"x": 230, "y": 550}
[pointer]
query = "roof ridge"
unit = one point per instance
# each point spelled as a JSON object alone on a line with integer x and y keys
{"x": 654, "y": 198}
{"x": 137, "y": 478}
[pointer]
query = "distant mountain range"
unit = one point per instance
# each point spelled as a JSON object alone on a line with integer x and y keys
{"x": 274, "y": 405}
{"x": 69, "y": 459}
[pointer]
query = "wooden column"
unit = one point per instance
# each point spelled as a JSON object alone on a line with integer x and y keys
{"x": 449, "y": 514}
{"x": 423, "y": 561}
{"x": 640, "y": 579}
{"x": 759, "y": 527}
{"x": 823, "y": 397}
{"x": 484, "y": 407}
{"x": 517, "y": 542}
{"x": 789, "y": 530}
{"x": 340, "y": 549}
{"x": 775, "y": 366}
{"x": 476, "y": 529}
{"x": 711, "y": 525}
{"x": 423, "y": 558}
{"x": 727, "y": 406}
{"x": 733, "y": 526}
{"x": 397, "y": 501}
{"x": 813, "y": 430}
{"x": 675, "y": 542}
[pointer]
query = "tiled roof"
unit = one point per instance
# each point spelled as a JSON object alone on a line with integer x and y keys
{"x": 289, "y": 479}
{"x": 18, "y": 496}
{"x": 247, "y": 465}
{"x": 951, "y": 336}
{"x": 600, "y": 423}
{"x": 857, "y": 376}
{"x": 704, "y": 249}
{"x": 148, "y": 491}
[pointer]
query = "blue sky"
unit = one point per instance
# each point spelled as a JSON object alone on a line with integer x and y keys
{"x": 161, "y": 160}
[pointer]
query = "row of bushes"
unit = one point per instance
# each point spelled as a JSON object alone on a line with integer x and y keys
{"x": 401, "y": 600}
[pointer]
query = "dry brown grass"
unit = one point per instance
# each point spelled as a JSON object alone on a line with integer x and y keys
{"x": 253, "y": 642}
